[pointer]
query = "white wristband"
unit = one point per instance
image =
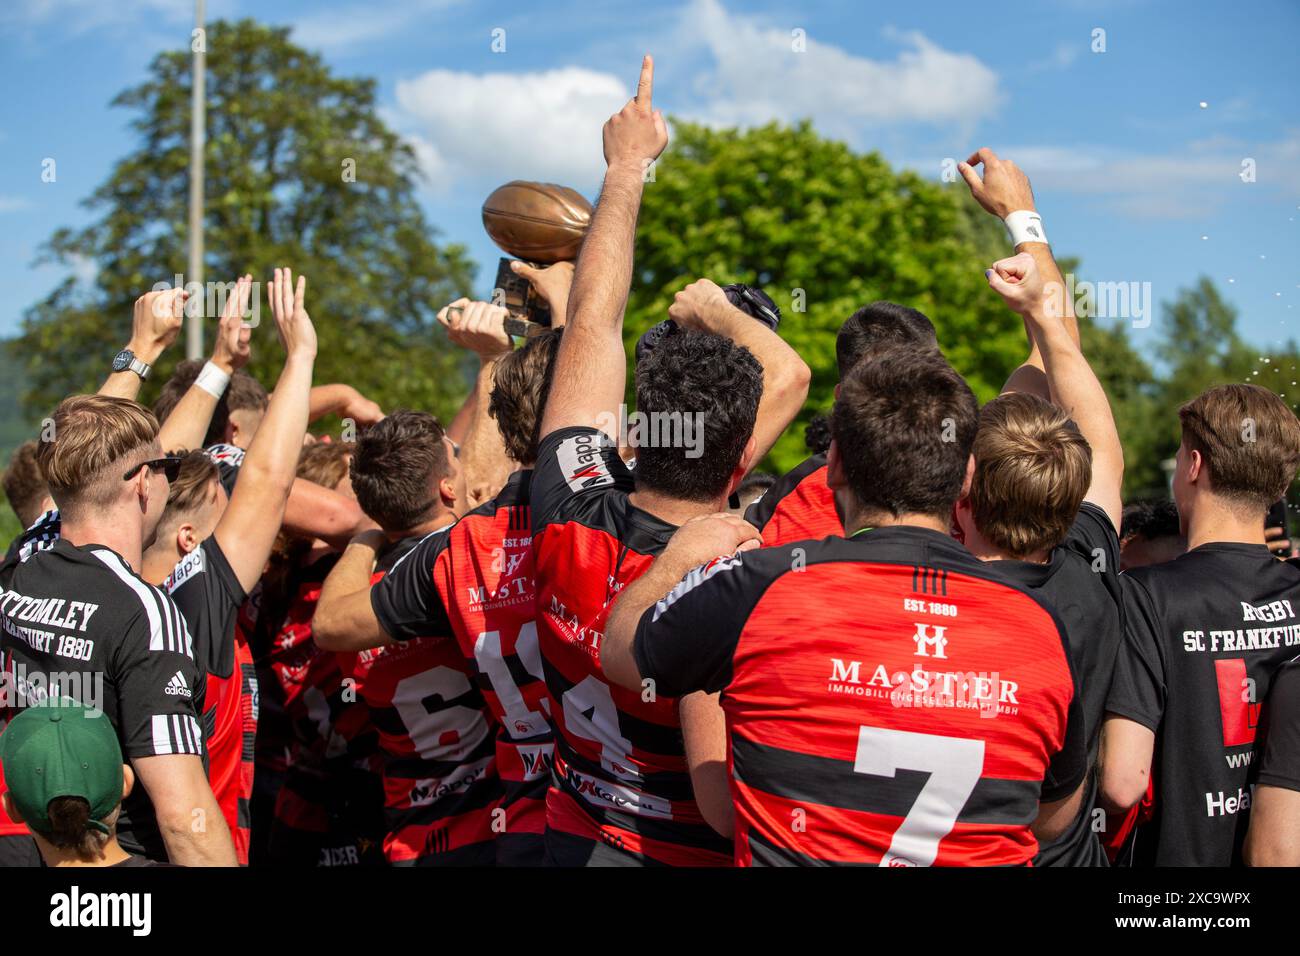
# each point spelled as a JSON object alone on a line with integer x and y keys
{"x": 1025, "y": 225}
{"x": 212, "y": 380}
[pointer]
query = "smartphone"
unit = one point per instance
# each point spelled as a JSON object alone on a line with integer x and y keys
{"x": 1277, "y": 518}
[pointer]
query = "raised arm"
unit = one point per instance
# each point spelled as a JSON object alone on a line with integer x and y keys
{"x": 1071, "y": 382}
{"x": 699, "y": 540}
{"x": 247, "y": 529}
{"x": 1003, "y": 190}
{"x": 345, "y": 619}
{"x": 703, "y": 305}
{"x": 480, "y": 327}
{"x": 591, "y": 367}
{"x": 156, "y": 320}
{"x": 187, "y": 425}
{"x": 344, "y": 401}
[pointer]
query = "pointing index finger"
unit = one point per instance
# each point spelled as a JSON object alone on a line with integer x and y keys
{"x": 645, "y": 86}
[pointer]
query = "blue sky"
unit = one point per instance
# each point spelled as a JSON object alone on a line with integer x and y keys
{"x": 1132, "y": 174}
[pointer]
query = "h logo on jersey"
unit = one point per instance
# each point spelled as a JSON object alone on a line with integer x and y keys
{"x": 925, "y": 639}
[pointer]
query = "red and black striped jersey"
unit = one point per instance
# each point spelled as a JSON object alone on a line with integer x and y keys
{"x": 435, "y": 733}
{"x": 799, "y": 507}
{"x": 478, "y": 578}
{"x": 890, "y": 700}
{"x": 232, "y": 715}
{"x": 328, "y": 725}
{"x": 620, "y": 764}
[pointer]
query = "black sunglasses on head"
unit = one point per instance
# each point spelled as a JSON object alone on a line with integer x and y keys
{"x": 169, "y": 465}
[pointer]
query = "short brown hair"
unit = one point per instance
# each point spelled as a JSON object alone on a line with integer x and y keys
{"x": 520, "y": 384}
{"x": 193, "y": 486}
{"x": 904, "y": 423}
{"x": 1032, "y": 469}
{"x": 397, "y": 462}
{"x": 24, "y": 484}
{"x": 174, "y": 390}
{"x": 96, "y": 439}
{"x": 1249, "y": 439}
{"x": 246, "y": 392}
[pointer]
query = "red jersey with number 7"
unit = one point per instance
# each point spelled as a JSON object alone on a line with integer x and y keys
{"x": 890, "y": 699}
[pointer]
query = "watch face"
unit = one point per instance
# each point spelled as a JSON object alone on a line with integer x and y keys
{"x": 122, "y": 361}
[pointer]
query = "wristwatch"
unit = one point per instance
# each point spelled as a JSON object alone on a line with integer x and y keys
{"x": 126, "y": 359}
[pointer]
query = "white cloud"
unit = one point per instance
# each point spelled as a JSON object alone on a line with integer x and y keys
{"x": 13, "y": 204}
{"x": 546, "y": 125}
{"x": 757, "y": 76}
{"x": 542, "y": 125}
{"x": 347, "y": 28}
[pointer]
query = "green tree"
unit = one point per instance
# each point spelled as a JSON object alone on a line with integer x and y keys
{"x": 284, "y": 135}
{"x": 824, "y": 230}
{"x": 1201, "y": 347}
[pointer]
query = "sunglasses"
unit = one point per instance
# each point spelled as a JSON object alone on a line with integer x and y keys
{"x": 169, "y": 465}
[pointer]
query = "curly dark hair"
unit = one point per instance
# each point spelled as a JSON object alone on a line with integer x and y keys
{"x": 697, "y": 373}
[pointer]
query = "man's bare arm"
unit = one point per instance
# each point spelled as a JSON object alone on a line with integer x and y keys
{"x": 591, "y": 367}
{"x": 1126, "y": 752}
{"x": 704, "y": 733}
{"x": 345, "y": 620}
{"x": 156, "y": 320}
{"x": 699, "y": 540}
{"x": 480, "y": 327}
{"x": 1274, "y": 835}
{"x": 187, "y": 425}
{"x": 193, "y": 828}
{"x": 1003, "y": 190}
{"x": 703, "y": 305}
{"x": 248, "y": 528}
{"x": 1072, "y": 384}
{"x": 345, "y": 402}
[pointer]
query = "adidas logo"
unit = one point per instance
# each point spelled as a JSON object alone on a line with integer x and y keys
{"x": 177, "y": 687}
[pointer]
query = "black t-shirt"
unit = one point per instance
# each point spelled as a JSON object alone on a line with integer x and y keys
{"x": 1204, "y": 636}
{"x": 209, "y": 594}
{"x": 1082, "y": 582}
{"x": 81, "y": 617}
{"x": 1280, "y": 764}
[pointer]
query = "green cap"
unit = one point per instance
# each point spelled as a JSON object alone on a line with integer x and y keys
{"x": 61, "y": 749}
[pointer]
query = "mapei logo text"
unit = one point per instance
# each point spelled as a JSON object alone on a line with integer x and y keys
{"x": 582, "y": 463}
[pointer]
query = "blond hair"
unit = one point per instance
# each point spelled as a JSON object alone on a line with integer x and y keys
{"x": 1032, "y": 469}
{"x": 96, "y": 439}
